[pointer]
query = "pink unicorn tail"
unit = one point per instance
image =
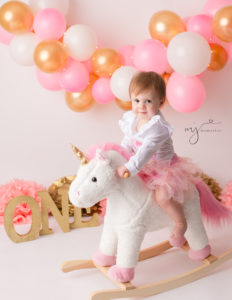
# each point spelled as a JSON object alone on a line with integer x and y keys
{"x": 212, "y": 210}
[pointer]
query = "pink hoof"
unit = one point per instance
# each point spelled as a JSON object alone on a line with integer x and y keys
{"x": 177, "y": 242}
{"x": 121, "y": 274}
{"x": 103, "y": 260}
{"x": 199, "y": 254}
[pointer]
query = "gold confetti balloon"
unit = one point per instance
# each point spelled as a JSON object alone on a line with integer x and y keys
{"x": 165, "y": 77}
{"x": 16, "y": 17}
{"x": 50, "y": 56}
{"x": 164, "y": 25}
{"x": 105, "y": 61}
{"x": 222, "y": 24}
{"x": 81, "y": 101}
{"x": 219, "y": 57}
{"x": 125, "y": 105}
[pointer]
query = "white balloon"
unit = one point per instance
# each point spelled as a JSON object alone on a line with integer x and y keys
{"x": 120, "y": 82}
{"x": 22, "y": 48}
{"x": 61, "y": 5}
{"x": 189, "y": 53}
{"x": 81, "y": 41}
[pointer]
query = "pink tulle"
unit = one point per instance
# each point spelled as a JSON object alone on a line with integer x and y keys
{"x": 16, "y": 188}
{"x": 174, "y": 175}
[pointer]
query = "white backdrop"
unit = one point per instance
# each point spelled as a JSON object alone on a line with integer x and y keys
{"x": 36, "y": 126}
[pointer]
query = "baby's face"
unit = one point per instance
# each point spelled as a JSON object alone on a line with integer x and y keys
{"x": 145, "y": 105}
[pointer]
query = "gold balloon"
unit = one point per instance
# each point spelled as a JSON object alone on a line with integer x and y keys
{"x": 125, "y": 105}
{"x": 165, "y": 77}
{"x": 218, "y": 57}
{"x": 164, "y": 25}
{"x": 16, "y": 17}
{"x": 81, "y": 101}
{"x": 105, "y": 61}
{"x": 222, "y": 24}
{"x": 50, "y": 56}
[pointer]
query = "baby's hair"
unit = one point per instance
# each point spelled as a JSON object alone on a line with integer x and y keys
{"x": 143, "y": 81}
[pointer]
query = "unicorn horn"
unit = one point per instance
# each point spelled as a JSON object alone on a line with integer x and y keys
{"x": 80, "y": 155}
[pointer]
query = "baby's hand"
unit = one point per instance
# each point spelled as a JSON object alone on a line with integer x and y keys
{"x": 121, "y": 170}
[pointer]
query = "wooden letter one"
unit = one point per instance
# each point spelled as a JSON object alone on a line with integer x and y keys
{"x": 48, "y": 204}
{"x": 79, "y": 223}
{"x": 9, "y": 214}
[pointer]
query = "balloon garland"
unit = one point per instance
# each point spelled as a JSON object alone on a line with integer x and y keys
{"x": 71, "y": 59}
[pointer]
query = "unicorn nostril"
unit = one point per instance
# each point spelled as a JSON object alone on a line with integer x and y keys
{"x": 78, "y": 193}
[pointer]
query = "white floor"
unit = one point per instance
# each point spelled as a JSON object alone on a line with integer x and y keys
{"x": 31, "y": 270}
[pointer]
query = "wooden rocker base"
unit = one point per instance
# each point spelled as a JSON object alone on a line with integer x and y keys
{"x": 129, "y": 290}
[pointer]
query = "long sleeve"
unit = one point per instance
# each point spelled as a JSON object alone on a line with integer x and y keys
{"x": 145, "y": 152}
{"x": 126, "y": 143}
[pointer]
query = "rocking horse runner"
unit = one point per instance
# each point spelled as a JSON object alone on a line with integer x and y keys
{"x": 131, "y": 212}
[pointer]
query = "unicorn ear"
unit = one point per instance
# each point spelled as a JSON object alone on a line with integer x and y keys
{"x": 102, "y": 156}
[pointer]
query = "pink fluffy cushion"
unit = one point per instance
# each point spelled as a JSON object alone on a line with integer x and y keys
{"x": 16, "y": 188}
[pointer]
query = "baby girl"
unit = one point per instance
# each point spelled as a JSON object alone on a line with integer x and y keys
{"x": 147, "y": 136}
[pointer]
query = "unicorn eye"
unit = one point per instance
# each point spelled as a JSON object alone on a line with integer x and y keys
{"x": 94, "y": 179}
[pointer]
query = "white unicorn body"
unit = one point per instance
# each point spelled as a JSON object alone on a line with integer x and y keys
{"x": 131, "y": 208}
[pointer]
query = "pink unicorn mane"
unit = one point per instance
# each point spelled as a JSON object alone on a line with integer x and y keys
{"x": 212, "y": 210}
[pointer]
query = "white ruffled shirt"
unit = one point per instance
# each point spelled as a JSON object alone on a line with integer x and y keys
{"x": 153, "y": 137}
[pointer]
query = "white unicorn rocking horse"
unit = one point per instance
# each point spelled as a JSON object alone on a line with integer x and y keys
{"x": 131, "y": 212}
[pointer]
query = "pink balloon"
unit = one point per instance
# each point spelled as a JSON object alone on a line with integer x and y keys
{"x": 49, "y": 81}
{"x": 5, "y": 37}
{"x": 151, "y": 55}
{"x": 101, "y": 91}
{"x": 201, "y": 24}
{"x": 127, "y": 53}
{"x": 185, "y": 93}
{"x": 212, "y": 6}
{"x": 49, "y": 23}
{"x": 74, "y": 77}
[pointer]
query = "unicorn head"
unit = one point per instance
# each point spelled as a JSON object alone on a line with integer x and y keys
{"x": 95, "y": 179}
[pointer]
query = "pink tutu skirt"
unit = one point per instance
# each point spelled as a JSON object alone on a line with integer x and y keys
{"x": 175, "y": 175}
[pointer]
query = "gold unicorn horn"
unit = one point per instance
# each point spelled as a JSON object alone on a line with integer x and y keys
{"x": 80, "y": 155}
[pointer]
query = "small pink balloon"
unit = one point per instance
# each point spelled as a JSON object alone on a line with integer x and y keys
{"x": 101, "y": 91}
{"x": 185, "y": 93}
{"x": 201, "y": 24}
{"x": 151, "y": 55}
{"x": 49, "y": 81}
{"x": 212, "y": 6}
{"x": 49, "y": 23}
{"x": 127, "y": 53}
{"x": 5, "y": 37}
{"x": 74, "y": 77}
